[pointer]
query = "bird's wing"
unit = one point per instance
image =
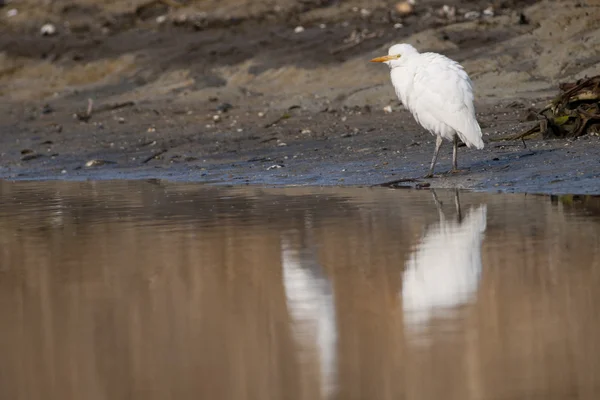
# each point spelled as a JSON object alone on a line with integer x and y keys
{"x": 443, "y": 89}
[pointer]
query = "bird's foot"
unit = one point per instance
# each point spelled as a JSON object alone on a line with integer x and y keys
{"x": 456, "y": 171}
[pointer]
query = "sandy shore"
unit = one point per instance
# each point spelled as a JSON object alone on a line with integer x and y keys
{"x": 236, "y": 92}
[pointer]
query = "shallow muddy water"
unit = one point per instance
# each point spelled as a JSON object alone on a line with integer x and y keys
{"x": 153, "y": 290}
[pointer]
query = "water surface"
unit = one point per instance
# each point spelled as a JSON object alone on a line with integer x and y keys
{"x": 151, "y": 290}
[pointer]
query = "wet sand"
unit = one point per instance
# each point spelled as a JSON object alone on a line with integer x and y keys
{"x": 306, "y": 108}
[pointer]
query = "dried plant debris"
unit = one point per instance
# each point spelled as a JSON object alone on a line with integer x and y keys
{"x": 574, "y": 112}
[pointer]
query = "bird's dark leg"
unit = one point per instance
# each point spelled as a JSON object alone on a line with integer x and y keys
{"x": 438, "y": 144}
{"x": 455, "y": 154}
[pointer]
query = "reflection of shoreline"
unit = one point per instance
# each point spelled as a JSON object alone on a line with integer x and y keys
{"x": 312, "y": 309}
{"x": 444, "y": 270}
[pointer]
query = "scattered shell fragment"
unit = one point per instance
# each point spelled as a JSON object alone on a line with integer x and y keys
{"x": 48, "y": 30}
{"x": 489, "y": 12}
{"x": 306, "y": 131}
{"x": 274, "y": 166}
{"x": 448, "y": 11}
{"x": 387, "y": 109}
{"x": 161, "y": 19}
{"x": 299, "y": 29}
{"x": 261, "y": 114}
{"x": 398, "y": 25}
{"x": 216, "y": 118}
{"x": 97, "y": 163}
{"x": 12, "y": 12}
{"x": 472, "y": 15}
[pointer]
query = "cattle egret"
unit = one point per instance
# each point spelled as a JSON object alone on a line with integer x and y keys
{"x": 438, "y": 93}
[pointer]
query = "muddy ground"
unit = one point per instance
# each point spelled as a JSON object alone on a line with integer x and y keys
{"x": 281, "y": 92}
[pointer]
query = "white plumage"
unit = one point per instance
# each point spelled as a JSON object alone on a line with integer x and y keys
{"x": 438, "y": 93}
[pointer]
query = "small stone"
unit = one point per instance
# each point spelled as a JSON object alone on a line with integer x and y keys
{"x": 299, "y": 29}
{"x": 224, "y": 107}
{"x": 322, "y": 26}
{"x": 97, "y": 163}
{"x": 261, "y": 114}
{"x": 12, "y": 13}
{"x": 121, "y": 120}
{"x": 216, "y": 118}
{"x": 151, "y": 129}
{"x": 387, "y": 109}
{"x": 161, "y": 19}
{"x": 404, "y": 8}
{"x": 489, "y": 12}
{"x": 281, "y": 144}
{"x": 274, "y": 166}
{"x": 364, "y": 12}
{"x": 398, "y": 25}
{"x": 448, "y": 11}
{"x": 31, "y": 156}
{"x": 306, "y": 131}
{"x": 48, "y": 30}
{"x": 472, "y": 15}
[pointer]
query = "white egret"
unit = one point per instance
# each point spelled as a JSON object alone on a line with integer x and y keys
{"x": 438, "y": 93}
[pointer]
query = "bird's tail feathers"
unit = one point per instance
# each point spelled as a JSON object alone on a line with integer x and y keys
{"x": 472, "y": 135}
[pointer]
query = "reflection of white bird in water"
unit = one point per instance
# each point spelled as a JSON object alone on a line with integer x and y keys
{"x": 438, "y": 93}
{"x": 311, "y": 306}
{"x": 443, "y": 272}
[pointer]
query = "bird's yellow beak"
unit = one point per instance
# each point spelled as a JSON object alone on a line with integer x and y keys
{"x": 386, "y": 58}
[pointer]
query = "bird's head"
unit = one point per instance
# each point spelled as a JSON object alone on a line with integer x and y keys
{"x": 395, "y": 54}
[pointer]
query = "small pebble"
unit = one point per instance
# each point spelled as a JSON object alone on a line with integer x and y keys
{"x": 449, "y": 12}
{"x": 48, "y": 30}
{"x": 12, "y": 13}
{"x": 299, "y": 29}
{"x": 161, "y": 19}
{"x": 306, "y": 131}
{"x": 322, "y": 26}
{"x": 387, "y": 109}
{"x": 96, "y": 163}
{"x": 472, "y": 15}
{"x": 489, "y": 12}
{"x": 216, "y": 118}
{"x": 398, "y": 25}
{"x": 404, "y": 8}
{"x": 261, "y": 114}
